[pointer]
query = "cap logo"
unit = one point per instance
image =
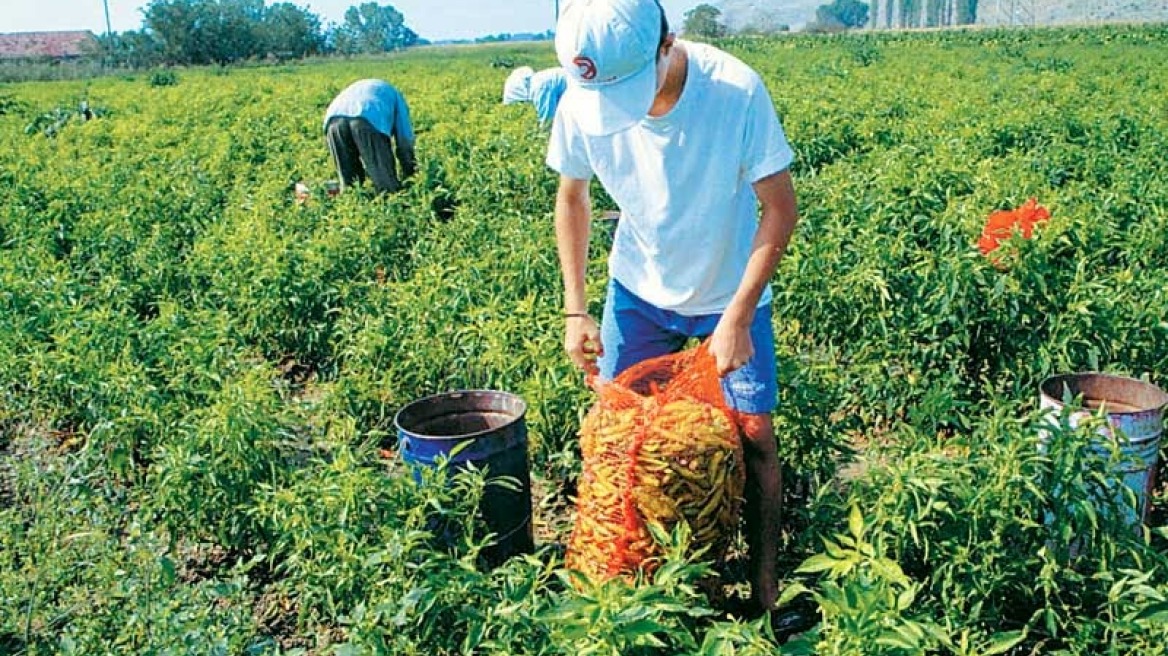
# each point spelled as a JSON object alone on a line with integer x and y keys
{"x": 587, "y": 67}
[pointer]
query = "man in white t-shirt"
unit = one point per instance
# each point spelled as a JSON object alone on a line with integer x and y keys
{"x": 685, "y": 139}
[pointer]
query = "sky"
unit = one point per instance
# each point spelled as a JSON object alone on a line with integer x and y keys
{"x": 431, "y": 19}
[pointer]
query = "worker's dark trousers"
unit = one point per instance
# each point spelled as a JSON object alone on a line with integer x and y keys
{"x": 359, "y": 151}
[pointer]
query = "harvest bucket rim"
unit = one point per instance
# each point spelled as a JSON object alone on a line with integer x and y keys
{"x": 522, "y": 405}
{"x": 1156, "y": 389}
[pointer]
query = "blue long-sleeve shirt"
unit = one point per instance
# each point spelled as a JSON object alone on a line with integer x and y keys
{"x": 546, "y": 88}
{"x": 379, "y": 103}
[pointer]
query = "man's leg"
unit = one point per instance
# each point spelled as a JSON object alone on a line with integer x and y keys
{"x": 752, "y": 393}
{"x": 377, "y": 155}
{"x": 344, "y": 151}
{"x": 764, "y": 505}
{"x": 407, "y": 158}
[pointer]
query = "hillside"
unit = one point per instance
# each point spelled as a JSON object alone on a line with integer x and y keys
{"x": 1062, "y": 12}
{"x": 762, "y": 15}
{"x": 765, "y": 16}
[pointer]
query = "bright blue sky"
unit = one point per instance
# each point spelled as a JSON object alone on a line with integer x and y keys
{"x": 432, "y": 19}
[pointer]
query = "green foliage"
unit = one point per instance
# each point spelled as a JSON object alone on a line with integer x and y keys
{"x": 702, "y": 22}
{"x": 372, "y": 28}
{"x": 216, "y": 31}
{"x": 845, "y": 14}
{"x": 163, "y": 77}
{"x": 50, "y": 123}
{"x": 1013, "y": 539}
{"x": 131, "y": 49}
{"x": 9, "y": 105}
{"x": 205, "y": 31}
{"x": 216, "y": 462}
{"x": 290, "y": 31}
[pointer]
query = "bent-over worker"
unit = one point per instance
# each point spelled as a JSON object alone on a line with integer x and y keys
{"x": 542, "y": 89}
{"x": 359, "y": 126}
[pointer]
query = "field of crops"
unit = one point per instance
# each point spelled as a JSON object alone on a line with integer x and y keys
{"x": 198, "y": 376}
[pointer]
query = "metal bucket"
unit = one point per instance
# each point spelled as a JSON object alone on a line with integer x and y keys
{"x": 487, "y": 429}
{"x": 1135, "y": 418}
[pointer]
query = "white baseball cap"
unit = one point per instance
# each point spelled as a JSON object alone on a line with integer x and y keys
{"x": 609, "y": 50}
{"x": 517, "y": 88}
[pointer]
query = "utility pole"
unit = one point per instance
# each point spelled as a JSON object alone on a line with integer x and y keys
{"x": 108, "y": 55}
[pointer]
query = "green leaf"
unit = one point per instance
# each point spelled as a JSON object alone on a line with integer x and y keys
{"x": 835, "y": 551}
{"x": 799, "y": 646}
{"x": 169, "y": 575}
{"x": 889, "y": 570}
{"x": 1004, "y": 642}
{"x": 905, "y": 599}
{"x": 856, "y": 522}
{"x": 1154, "y": 613}
{"x": 645, "y": 627}
{"x": 790, "y": 592}
{"x": 817, "y": 563}
{"x": 906, "y": 636}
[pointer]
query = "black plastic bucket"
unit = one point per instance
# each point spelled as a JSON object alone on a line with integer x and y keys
{"x": 490, "y": 429}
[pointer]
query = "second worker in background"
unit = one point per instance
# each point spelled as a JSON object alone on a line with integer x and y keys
{"x": 364, "y": 126}
{"x": 542, "y": 89}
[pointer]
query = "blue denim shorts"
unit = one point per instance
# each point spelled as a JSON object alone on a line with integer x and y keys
{"x": 633, "y": 330}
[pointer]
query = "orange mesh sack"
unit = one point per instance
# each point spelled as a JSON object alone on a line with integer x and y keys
{"x": 659, "y": 446}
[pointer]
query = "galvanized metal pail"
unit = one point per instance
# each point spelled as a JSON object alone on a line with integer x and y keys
{"x": 1135, "y": 419}
{"x": 485, "y": 428}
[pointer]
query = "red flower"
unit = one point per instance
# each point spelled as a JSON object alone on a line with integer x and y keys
{"x": 1001, "y": 224}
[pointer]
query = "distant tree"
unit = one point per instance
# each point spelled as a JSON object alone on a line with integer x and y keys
{"x": 335, "y": 39}
{"x": 171, "y": 23}
{"x": 844, "y": 14}
{"x": 291, "y": 31}
{"x": 371, "y": 27}
{"x": 220, "y": 32}
{"x": 494, "y": 38}
{"x": 206, "y": 31}
{"x": 236, "y": 30}
{"x": 763, "y": 30}
{"x": 702, "y": 21}
{"x": 131, "y": 49}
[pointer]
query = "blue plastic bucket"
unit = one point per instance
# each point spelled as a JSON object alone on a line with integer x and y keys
{"x": 487, "y": 429}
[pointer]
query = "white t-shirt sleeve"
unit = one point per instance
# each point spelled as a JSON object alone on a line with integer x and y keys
{"x": 765, "y": 147}
{"x": 567, "y": 153}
